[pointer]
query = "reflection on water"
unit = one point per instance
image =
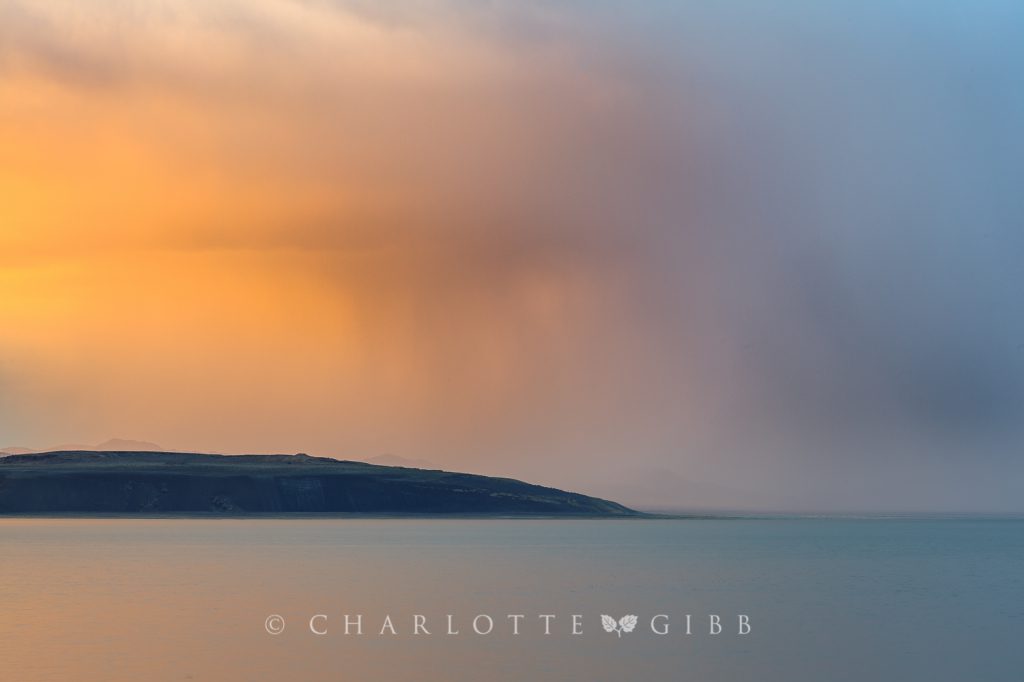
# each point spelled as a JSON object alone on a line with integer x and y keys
{"x": 187, "y": 599}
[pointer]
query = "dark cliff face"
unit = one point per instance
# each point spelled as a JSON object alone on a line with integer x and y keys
{"x": 159, "y": 482}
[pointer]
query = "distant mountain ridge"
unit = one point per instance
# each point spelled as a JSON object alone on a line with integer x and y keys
{"x": 16, "y": 451}
{"x": 112, "y": 445}
{"x": 153, "y": 482}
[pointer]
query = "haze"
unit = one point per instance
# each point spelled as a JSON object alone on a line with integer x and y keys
{"x": 700, "y": 255}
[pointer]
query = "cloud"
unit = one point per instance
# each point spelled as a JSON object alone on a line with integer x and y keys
{"x": 762, "y": 249}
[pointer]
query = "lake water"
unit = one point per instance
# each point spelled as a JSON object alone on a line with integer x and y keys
{"x": 828, "y": 599}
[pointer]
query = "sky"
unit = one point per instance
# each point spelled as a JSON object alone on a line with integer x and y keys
{"x": 736, "y": 255}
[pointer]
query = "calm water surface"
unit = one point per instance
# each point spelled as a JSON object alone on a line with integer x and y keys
{"x": 828, "y": 599}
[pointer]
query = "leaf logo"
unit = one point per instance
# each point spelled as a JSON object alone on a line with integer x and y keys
{"x": 624, "y": 624}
